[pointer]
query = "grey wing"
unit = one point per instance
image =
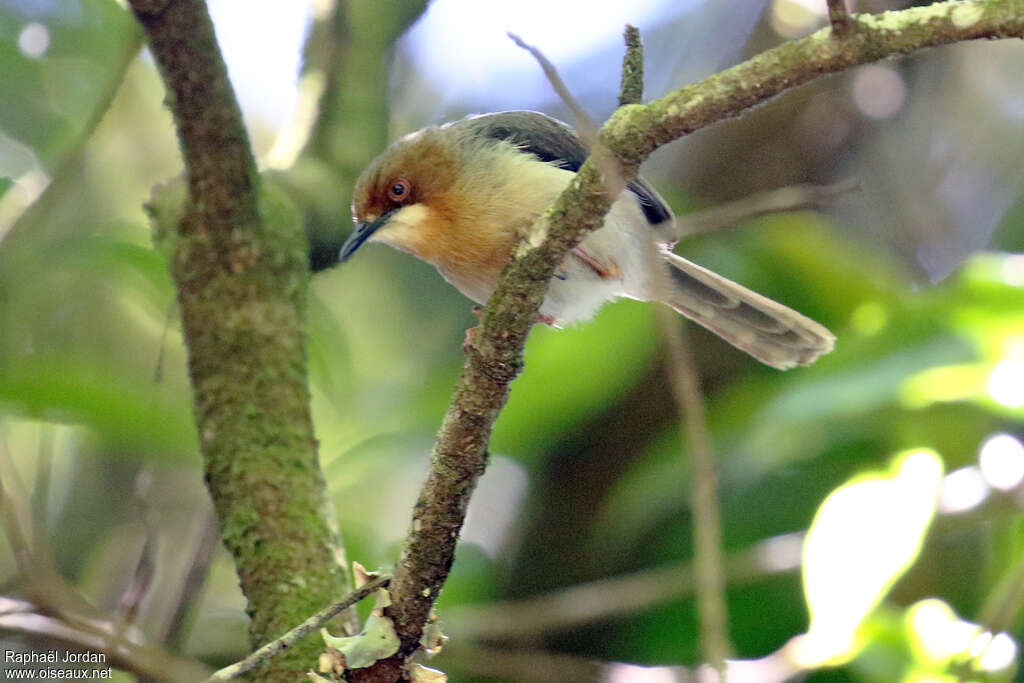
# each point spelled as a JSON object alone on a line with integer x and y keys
{"x": 554, "y": 142}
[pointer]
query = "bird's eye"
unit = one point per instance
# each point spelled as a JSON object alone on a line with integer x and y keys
{"x": 399, "y": 190}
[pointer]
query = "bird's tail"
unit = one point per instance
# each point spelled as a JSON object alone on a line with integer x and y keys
{"x": 768, "y": 331}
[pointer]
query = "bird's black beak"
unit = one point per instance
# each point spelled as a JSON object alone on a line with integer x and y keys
{"x": 361, "y": 234}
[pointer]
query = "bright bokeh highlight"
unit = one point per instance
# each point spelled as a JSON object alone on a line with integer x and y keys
{"x": 937, "y": 634}
{"x": 878, "y": 91}
{"x": 630, "y": 673}
{"x": 34, "y": 40}
{"x": 1001, "y": 459}
{"x": 865, "y": 535}
{"x": 1006, "y": 383}
{"x": 999, "y": 654}
{"x": 961, "y": 490}
{"x": 794, "y": 18}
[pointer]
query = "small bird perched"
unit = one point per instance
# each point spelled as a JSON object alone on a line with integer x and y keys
{"x": 462, "y": 195}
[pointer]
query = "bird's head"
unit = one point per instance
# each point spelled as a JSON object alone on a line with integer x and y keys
{"x": 452, "y": 196}
{"x": 405, "y": 197}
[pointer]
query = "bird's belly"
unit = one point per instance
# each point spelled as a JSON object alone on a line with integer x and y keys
{"x": 473, "y": 283}
{"x": 578, "y": 290}
{"x": 617, "y": 249}
{"x": 574, "y": 300}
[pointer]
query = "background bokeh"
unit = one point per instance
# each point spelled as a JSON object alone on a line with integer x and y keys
{"x": 913, "y": 425}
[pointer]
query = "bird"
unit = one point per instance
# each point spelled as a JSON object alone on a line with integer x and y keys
{"x": 460, "y": 196}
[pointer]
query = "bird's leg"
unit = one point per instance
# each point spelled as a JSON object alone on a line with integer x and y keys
{"x": 604, "y": 271}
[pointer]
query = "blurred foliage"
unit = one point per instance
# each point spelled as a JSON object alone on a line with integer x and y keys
{"x": 589, "y": 477}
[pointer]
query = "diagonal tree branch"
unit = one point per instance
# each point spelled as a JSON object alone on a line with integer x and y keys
{"x": 460, "y": 454}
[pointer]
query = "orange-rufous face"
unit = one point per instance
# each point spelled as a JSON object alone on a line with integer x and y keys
{"x": 400, "y": 198}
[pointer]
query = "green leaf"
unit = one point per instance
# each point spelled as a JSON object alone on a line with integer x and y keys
{"x": 123, "y": 410}
{"x": 575, "y": 374}
{"x": 51, "y": 97}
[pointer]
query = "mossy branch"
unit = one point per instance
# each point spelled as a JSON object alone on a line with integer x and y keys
{"x": 238, "y": 257}
{"x": 633, "y": 132}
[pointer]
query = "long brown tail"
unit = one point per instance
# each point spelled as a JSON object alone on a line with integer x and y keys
{"x": 767, "y": 330}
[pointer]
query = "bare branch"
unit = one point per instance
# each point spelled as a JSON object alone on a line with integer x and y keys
{"x": 524, "y": 665}
{"x": 791, "y": 198}
{"x": 707, "y": 525}
{"x": 149, "y": 662}
{"x": 584, "y": 126}
{"x": 12, "y": 512}
{"x": 589, "y": 603}
{"x": 707, "y": 547}
{"x": 145, "y": 569}
{"x": 299, "y": 632}
{"x": 1002, "y": 607}
{"x": 195, "y": 575}
{"x": 599, "y": 154}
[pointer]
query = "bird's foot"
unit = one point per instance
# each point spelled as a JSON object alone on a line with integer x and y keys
{"x": 547, "y": 319}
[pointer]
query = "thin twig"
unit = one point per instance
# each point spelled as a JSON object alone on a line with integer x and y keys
{"x": 1003, "y": 605}
{"x": 539, "y": 666}
{"x": 43, "y": 581}
{"x": 147, "y": 661}
{"x": 71, "y": 619}
{"x": 145, "y": 568}
{"x": 709, "y": 563}
{"x": 708, "y": 566}
{"x": 631, "y": 90}
{"x": 708, "y": 555}
{"x": 791, "y": 198}
{"x": 301, "y": 631}
{"x": 584, "y": 125}
{"x": 41, "y": 489}
{"x": 590, "y": 603}
{"x": 11, "y": 517}
{"x": 192, "y": 584}
{"x": 524, "y": 665}
{"x": 707, "y": 525}
{"x": 839, "y": 17}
